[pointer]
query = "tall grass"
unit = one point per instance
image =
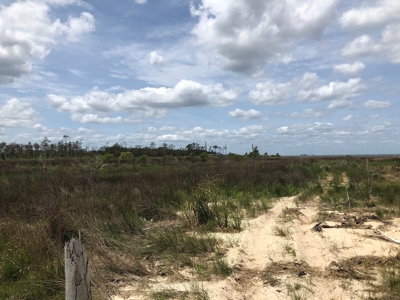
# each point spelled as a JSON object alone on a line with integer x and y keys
{"x": 40, "y": 211}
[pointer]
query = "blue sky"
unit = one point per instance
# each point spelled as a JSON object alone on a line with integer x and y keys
{"x": 294, "y": 77}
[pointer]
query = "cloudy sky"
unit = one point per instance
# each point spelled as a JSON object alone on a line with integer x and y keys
{"x": 289, "y": 76}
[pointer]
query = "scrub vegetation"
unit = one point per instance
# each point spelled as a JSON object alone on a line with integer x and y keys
{"x": 157, "y": 215}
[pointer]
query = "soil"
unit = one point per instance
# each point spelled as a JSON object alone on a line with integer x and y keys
{"x": 278, "y": 256}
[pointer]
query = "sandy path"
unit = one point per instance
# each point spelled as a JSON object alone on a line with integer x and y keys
{"x": 270, "y": 265}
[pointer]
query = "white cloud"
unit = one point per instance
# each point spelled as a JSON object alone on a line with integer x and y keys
{"x": 167, "y": 128}
{"x": 350, "y": 70}
{"x": 84, "y": 130}
{"x": 251, "y": 130}
{"x": 373, "y": 104}
{"x": 336, "y": 104}
{"x": 364, "y": 17}
{"x": 271, "y": 93}
{"x": 119, "y": 76}
{"x": 77, "y": 73}
{"x": 309, "y": 81}
{"x": 96, "y": 119}
{"x": 231, "y": 29}
{"x": 150, "y": 102}
{"x": 28, "y": 32}
{"x": 151, "y": 129}
{"x": 334, "y": 91}
{"x": 245, "y": 115}
{"x": 361, "y": 46}
{"x": 385, "y": 14}
{"x": 16, "y": 113}
{"x": 141, "y": 1}
{"x": 378, "y": 128}
{"x": 156, "y": 59}
{"x": 348, "y": 118}
{"x": 307, "y": 88}
{"x": 306, "y": 130}
{"x": 77, "y": 27}
{"x": 306, "y": 114}
{"x": 39, "y": 127}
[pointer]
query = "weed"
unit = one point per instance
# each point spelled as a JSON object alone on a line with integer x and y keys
{"x": 198, "y": 292}
{"x": 294, "y": 292}
{"x": 221, "y": 268}
{"x": 282, "y": 231}
{"x": 177, "y": 245}
{"x": 169, "y": 294}
{"x": 288, "y": 249}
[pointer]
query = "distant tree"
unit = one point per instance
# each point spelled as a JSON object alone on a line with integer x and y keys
{"x": 255, "y": 151}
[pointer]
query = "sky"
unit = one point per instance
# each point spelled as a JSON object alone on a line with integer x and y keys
{"x": 288, "y": 76}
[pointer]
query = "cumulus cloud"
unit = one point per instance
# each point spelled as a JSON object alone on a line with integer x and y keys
{"x": 306, "y": 88}
{"x": 245, "y": 115}
{"x": 167, "y": 128}
{"x": 334, "y": 91}
{"x": 39, "y": 127}
{"x": 271, "y": 93}
{"x": 373, "y": 104}
{"x": 96, "y": 119}
{"x": 350, "y": 70}
{"x": 156, "y": 59}
{"x": 384, "y": 12}
{"x": 27, "y": 32}
{"x": 16, "y": 113}
{"x": 84, "y": 130}
{"x": 307, "y": 113}
{"x": 306, "y": 130}
{"x": 337, "y": 104}
{"x": 150, "y": 102}
{"x": 246, "y": 35}
{"x": 383, "y": 15}
{"x": 360, "y": 46}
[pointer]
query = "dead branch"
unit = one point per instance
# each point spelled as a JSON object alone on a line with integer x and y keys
{"x": 348, "y": 198}
{"x": 384, "y": 236}
{"x": 359, "y": 189}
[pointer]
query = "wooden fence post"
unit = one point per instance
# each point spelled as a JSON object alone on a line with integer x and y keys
{"x": 77, "y": 275}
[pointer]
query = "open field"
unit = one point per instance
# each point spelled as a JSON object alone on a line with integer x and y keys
{"x": 237, "y": 228}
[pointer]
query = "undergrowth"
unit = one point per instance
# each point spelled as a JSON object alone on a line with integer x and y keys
{"x": 113, "y": 206}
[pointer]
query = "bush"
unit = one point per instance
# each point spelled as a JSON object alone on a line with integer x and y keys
{"x": 126, "y": 157}
{"x": 107, "y": 158}
{"x": 143, "y": 160}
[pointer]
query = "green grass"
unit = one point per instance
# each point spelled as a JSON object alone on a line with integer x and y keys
{"x": 112, "y": 208}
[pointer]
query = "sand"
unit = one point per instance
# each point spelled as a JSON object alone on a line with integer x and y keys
{"x": 298, "y": 263}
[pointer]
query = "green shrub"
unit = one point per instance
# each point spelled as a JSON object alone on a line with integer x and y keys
{"x": 107, "y": 158}
{"x": 126, "y": 157}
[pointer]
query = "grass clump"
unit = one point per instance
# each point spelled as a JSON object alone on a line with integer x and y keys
{"x": 178, "y": 246}
{"x": 282, "y": 231}
{"x": 221, "y": 268}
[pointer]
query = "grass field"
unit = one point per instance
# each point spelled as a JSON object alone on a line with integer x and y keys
{"x": 131, "y": 216}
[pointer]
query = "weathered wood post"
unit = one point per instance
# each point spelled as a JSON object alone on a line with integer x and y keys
{"x": 77, "y": 275}
{"x": 369, "y": 181}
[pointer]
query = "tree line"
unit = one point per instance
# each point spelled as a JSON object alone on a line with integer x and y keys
{"x": 66, "y": 148}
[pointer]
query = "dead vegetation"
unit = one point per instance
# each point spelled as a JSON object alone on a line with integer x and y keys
{"x": 158, "y": 229}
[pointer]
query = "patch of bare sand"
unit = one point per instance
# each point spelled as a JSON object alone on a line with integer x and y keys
{"x": 278, "y": 256}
